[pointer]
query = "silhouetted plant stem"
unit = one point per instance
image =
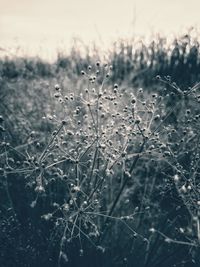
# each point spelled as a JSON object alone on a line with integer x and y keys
{"x": 105, "y": 228}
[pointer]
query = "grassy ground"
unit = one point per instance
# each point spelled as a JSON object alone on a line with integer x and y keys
{"x": 100, "y": 162}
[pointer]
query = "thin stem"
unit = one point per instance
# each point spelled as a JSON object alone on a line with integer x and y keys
{"x": 50, "y": 142}
{"x": 123, "y": 186}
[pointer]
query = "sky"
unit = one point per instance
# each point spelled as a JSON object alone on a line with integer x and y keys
{"x": 43, "y": 26}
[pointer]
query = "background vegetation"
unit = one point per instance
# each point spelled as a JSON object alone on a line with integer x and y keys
{"x": 99, "y": 162}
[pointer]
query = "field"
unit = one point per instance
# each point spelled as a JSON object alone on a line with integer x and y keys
{"x": 99, "y": 159}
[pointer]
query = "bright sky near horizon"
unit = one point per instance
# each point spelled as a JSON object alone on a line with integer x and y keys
{"x": 47, "y": 24}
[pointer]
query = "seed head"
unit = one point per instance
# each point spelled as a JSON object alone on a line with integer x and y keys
{"x": 39, "y": 189}
{"x": 183, "y": 189}
{"x": 176, "y": 178}
{"x": 133, "y": 101}
{"x": 47, "y": 216}
{"x": 57, "y": 87}
{"x": 157, "y": 117}
{"x": 57, "y": 95}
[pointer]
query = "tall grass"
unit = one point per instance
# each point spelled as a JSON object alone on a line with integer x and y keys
{"x": 133, "y": 60}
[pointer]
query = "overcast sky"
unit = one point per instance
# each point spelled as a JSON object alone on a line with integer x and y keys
{"x": 49, "y": 23}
